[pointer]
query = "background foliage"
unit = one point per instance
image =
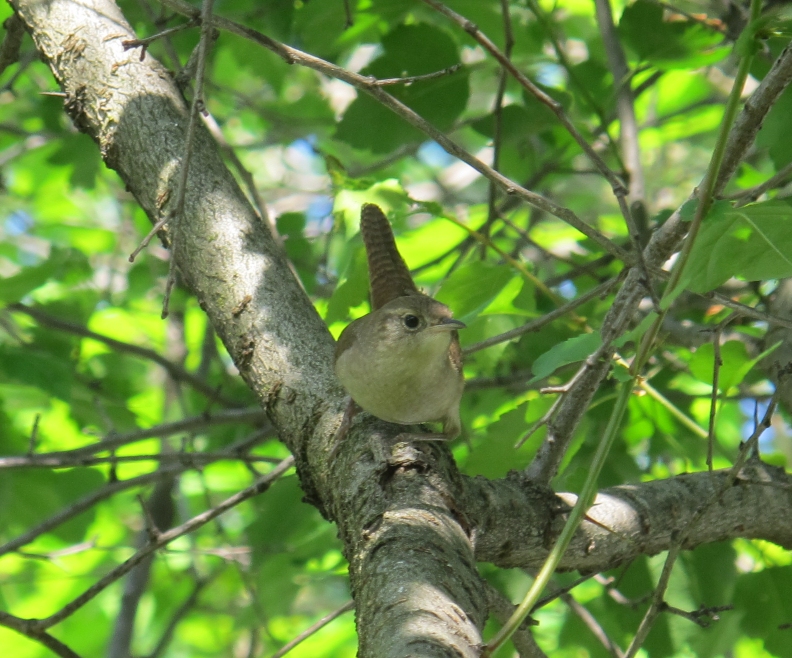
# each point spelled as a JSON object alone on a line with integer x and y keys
{"x": 250, "y": 581}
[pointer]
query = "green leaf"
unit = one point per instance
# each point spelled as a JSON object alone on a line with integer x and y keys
{"x": 472, "y": 287}
{"x": 497, "y": 454}
{"x": 37, "y": 367}
{"x": 570, "y": 351}
{"x": 774, "y": 134}
{"x": 87, "y": 239}
{"x": 28, "y": 497}
{"x": 387, "y": 194}
{"x": 596, "y": 79}
{"x": 516, "y": 123}
{"x": 736, "y": 363}
{"x": 762, "y": 600}
{"x": 79, "y": 151}
{"x": 667, "y": 44}
{"x": 753, "y": 242}
{"x": 69, "y": 265}
{"x": 516, "y": 298}
{"x": 409, "y": 50}
{"x": 352, "y": 291}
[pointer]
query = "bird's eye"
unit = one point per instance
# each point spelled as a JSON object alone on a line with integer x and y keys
{"x": 411, "y": 321}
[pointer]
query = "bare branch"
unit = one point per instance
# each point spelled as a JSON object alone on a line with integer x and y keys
{"x": 324, "y": 621}
{"x": 553, "y": 105}
{"x": 258, "y": 487}
{"x": 28, "y": 628}
{"x": 501, "y": 608}
{"x": 408, "y": 80}
{"x": 628, "y": 135}
{"x": 180, "y": 613}
{"x": 755, "y": 110}
{"x": 191, "y": 460}
{"x": 681, "y": 537}
{"x": 365, "y": 84}
{"x": 628, "y": 520}
{"x": 593, "y": 625}
{"x": 114, "y": 440}
{"x": 174, "y": 370}
{"x": 534, "y": 325}
{"x": 88, "y": 501}
{"x": 197, "y": 106}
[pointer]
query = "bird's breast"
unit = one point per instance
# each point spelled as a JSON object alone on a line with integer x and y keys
{"x": 406, "y": 383}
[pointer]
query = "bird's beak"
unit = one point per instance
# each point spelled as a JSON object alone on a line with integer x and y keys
{"x": 448, "y": 324}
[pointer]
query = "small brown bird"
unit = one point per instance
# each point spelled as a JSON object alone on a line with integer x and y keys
{"x": 402, "y": 362}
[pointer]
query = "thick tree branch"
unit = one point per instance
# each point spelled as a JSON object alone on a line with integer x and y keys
{"x": 397, "y": 515}
{"x": 517, "y": 522}
{"x": 754, "y": 112}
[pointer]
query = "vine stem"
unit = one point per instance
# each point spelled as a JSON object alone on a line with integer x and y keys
{"x": 705, "y": 192}
{"x": 577, "y": 514}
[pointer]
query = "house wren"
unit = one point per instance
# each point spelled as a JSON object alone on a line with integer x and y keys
{"x": 402, "y": 362}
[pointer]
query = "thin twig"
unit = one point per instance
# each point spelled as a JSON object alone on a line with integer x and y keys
{"x": 657, "y": 602}
{"x": 189, "y": 459}
{"x": 486, "y": 242}
{"x": 716, "y": 366}
{"x": 258, "y": 487}
{"x": 703, "y": 616}
{"x": 554, "y": 106}
{"x": 85, "y": 503}
{"x": 753, "y": 193}
{"x": 174, "y": 370}
{"x": 408, "y": 80}
{"x": 28, "y": 628}
{"x": 177, "y": 616}
{"x": 575, "y": 79}
{"x": 349, "y": 20}
{"x": 497, "y": 115}
{"x": 250, "y": 184}
{"x": 593, "y": 625}
{"x": 635, "y": 237}
{"x": 197, "y": 106}
{"x": 88, "y": 501}
{"x": 748, "y": 311}
{"x": 628, "y": 125}
{"x": 33, "y": 435}
{"x": 313, "y": 628}
{"x": 680, "y": 537}
{"x": 501, "y": 608}
{"x": 363, "y": 83}
{"x": 547, "y": 416}
{"x": 158, "y": 226}
{"x": 534, "y": 325}
{"x": 114, "y": 440}
{"x": 143, "y": 44}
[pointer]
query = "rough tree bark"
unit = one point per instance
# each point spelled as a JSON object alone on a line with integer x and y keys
{"x": 412, "y": 526}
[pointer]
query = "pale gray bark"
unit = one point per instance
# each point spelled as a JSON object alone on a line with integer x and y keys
{"x": 517, "y": 523}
